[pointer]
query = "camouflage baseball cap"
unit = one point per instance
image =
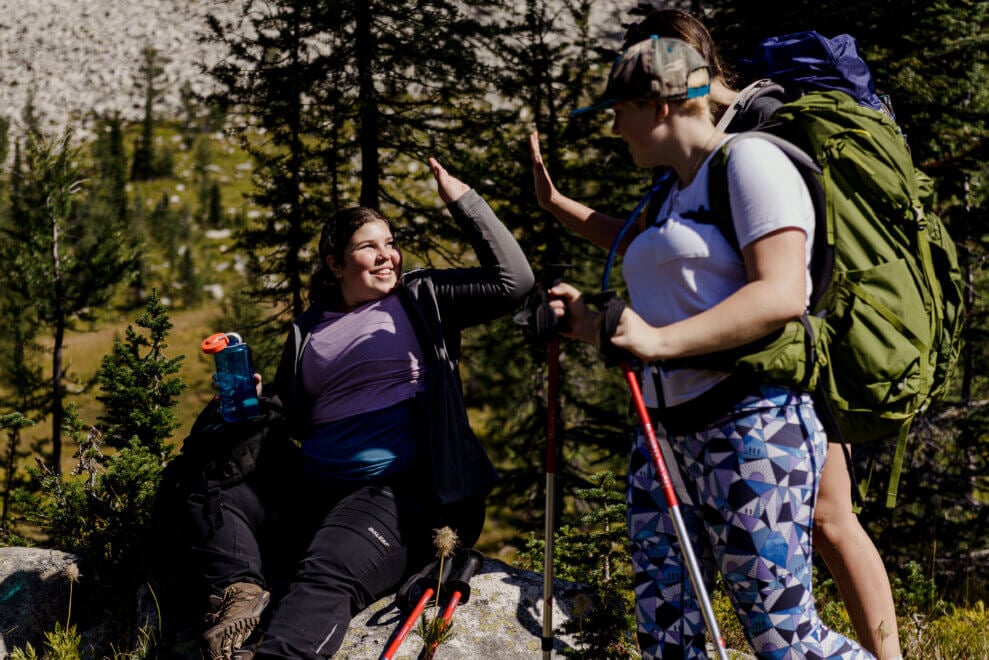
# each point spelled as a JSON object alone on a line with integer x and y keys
{"x": 656, "y": 68}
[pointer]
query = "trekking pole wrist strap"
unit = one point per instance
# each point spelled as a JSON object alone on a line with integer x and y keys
{"x": 611, "y": 308}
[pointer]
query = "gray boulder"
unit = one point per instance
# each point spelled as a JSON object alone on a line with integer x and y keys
{"x": 503, "y": 617}
{"x": 34, "y": 594}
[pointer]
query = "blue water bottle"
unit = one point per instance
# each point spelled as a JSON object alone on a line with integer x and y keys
{"x": 234, "y": 376}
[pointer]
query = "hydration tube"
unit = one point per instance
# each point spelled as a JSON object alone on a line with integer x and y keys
{"x": 628, "y": 223}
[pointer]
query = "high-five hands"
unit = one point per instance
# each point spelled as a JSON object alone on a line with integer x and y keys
{"x": 450, "y": 187}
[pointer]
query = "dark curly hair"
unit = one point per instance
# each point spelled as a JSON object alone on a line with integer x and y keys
{"x": 333, "y": 239}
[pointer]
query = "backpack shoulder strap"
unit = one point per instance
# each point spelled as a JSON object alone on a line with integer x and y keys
{"x": 718, "y": 176}
{"x": 754, "y": 105}
{"x": 822, "y": 255}
{"x": 656, "y": 196}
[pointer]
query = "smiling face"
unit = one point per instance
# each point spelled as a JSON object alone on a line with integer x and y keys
{"x": 636, "y": 124}
{"x": 370, "y": 267}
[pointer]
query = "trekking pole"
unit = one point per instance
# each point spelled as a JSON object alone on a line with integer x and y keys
{"x": 541, "y": 326}
{"x": 552, "y": 402}
{"x": 460, "y": 584}
{"x": 552, "y": 275}
{"x": 673, "y": 506}
{"x": 403, "y": 632}
{"x": 426, "y": 577}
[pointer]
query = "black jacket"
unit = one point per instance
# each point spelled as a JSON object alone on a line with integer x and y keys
{"x": 440, "y": 303}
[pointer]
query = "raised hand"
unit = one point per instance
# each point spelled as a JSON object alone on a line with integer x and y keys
{"x": 540, "y": 175}
{"x": 450, "y": 187}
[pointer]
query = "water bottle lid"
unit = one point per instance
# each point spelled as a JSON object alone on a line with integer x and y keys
{"x": 215, "y": 343}
{"x": 219, "y": 341}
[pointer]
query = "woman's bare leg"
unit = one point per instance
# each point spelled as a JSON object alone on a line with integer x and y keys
{"x": 853, "y": 561}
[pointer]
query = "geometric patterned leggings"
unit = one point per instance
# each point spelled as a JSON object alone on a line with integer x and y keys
{"x": 753, "y": 477}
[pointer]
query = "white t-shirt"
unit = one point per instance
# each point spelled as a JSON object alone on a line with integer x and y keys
{"x": 680, "y": 267}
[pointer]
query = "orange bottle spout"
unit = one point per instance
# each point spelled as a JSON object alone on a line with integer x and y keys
{"x": 215, "y": 343}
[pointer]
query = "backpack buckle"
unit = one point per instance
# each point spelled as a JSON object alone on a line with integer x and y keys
{"x": 920, "y": 217}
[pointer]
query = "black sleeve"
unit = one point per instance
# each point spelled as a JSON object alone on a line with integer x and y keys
{"x": 503, "y": 276}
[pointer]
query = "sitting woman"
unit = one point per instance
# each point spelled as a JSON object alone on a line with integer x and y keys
{"x": 370, "y": 383}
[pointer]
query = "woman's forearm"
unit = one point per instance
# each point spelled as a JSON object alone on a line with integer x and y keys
{"x": 598, "y": 228}
{"x": 496, "y": 248}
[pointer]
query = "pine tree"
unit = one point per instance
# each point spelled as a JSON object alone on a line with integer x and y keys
{"x": 25, "y": 387}
{"x": 590, "y": 549}
{"x": 214, "y": 206}
{"x": 65, "y": 265}
{"x": 12, "y": 423}
{"x": 108, "y": 195}
{"x": 190, "y": 278}
{"x": 103, "y": 511}
{"x": 139, "y": 391}
{"x": 271, "y": 79}
{"x": 4, "y": 139}
{"x": 144, "y": 165}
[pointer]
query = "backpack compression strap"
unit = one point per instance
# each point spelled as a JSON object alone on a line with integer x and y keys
{"x": 752, "y": 106}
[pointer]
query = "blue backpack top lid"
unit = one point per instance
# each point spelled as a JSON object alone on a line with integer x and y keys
{"x": 810, "y": 61}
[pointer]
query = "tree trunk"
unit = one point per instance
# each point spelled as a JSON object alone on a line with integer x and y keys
{"x": 58, "y": 412}
{"x": 367, "y": 101}
{"x": 296, "y": 237}
{"x": 968, "y": 350}
{"x": 10, "y": 464}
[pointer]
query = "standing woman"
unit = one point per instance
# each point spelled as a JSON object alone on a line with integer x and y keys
{"x": 370, "y": 383}
{"x": 749, "y": 455}
{"x": 845, "y": 546}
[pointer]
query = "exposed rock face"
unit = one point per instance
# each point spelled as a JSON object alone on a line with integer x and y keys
{"x": 75, "y": 58}
{"x": 82, "y": 58}
{"x": 34, "y": 594}
{"x": 502, "y": 618}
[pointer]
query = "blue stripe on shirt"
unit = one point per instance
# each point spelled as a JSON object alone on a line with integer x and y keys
{"x": 363, "y": 446}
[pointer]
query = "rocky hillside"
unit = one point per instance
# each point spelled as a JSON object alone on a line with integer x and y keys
{"x": 78, "y": 57}
{"x": 82, "y": 57}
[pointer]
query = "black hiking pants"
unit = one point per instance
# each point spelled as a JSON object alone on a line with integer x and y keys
{"x": 350, "y": 547}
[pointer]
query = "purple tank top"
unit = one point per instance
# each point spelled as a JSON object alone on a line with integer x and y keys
{"x": 360, "y": 361}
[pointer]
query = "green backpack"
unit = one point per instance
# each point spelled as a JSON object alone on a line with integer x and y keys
{"x": 883, "y": 332}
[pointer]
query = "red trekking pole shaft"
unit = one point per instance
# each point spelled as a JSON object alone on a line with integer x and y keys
{"x": 403, "y": 632}
{"x": 474, "y": 561}
{"x": 552, "y": 415}
{"x": 673, "y": 506}
{"x": 451, "y": 606}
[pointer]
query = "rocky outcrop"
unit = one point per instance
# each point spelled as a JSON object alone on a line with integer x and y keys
{"x": 503, "y": 617}
{"x": 34, "y": 594}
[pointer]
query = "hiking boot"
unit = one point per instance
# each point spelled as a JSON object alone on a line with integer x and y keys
{"x": 232, "y": 617}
